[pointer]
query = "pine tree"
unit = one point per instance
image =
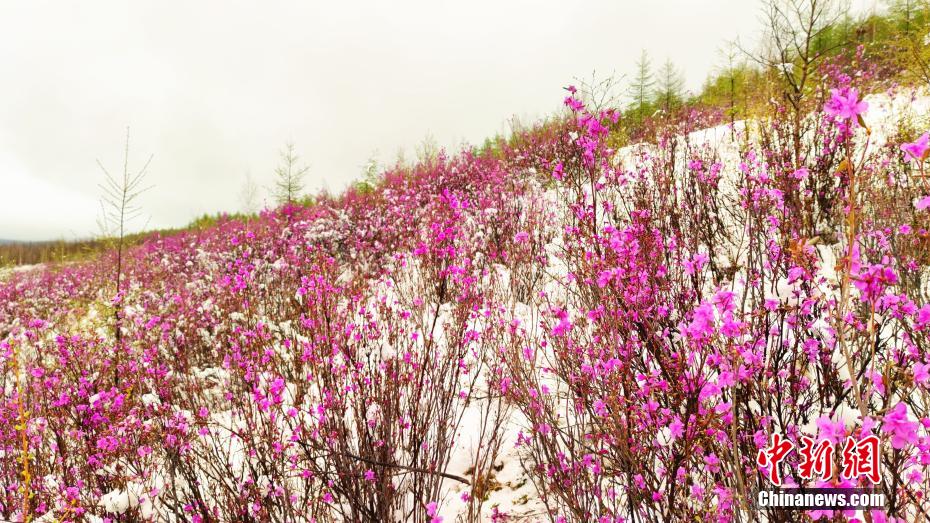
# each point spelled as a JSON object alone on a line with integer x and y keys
{"x": 249, "y": 194}
{"x": 729, "y": 76}
{"x": 642, "y": 84}
{"x": 119, "y": 206}
{"x": 290, "y": 176}
{"x": 671, "y": 87}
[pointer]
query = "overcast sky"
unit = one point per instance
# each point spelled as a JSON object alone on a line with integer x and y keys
{"x": 213, "y": 89}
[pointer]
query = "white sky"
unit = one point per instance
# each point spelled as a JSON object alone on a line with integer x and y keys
{"x": 214, "y": 88}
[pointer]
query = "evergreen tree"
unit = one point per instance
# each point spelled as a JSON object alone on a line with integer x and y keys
{"x": 290, "y": 176}
{"x": 642, "y": 85}
{"x": 670, "y": 92}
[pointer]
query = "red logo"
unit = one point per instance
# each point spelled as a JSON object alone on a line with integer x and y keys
{"x": 773, "y": 456}
{"x": 860, "y": 458}
{"x": 816, "y": 459}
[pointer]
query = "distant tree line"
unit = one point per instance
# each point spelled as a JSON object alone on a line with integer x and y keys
{"x": 798, "y": 38}
{"x": 31, "y": 253}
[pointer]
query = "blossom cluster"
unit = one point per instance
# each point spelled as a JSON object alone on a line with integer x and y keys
{"x": 625, "y": 328}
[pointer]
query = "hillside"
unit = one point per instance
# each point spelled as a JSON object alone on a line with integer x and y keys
{"x": 545, "y": 332}
{"x": 885, "y": 45}
{"x": 610, "y": 315}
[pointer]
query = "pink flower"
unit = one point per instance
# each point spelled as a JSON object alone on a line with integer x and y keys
{"x": 432, "y": 511}
{"x": 676, "y": 428}
{"x": 917, "y": 150}
{"x": 923, "y": 316}
{"x": 922, "y": 203}
{"x": 873, "y": 279}
{"x": 505, "y": 384}
{"x": 573, "y": 103}
{"x": 370, "y": 475}
{"x": 564, "y": 325}
{"x": 834, "y": 431}
{"x": 921, "y": 374}
{"x": 276, "y": 388}
{"x": 696, "y": 263}
{"x": 845, "y": 104}
{"x": 902, "y": 430}
{"x": 702, "y": 325}
{"x": 521, "y": 237}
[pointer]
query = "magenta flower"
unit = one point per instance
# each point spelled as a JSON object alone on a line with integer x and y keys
{"x": 922, "y": 203}
{"x": 834, "y": 431}
{"x": 873, "y": 279}
{"x": 903, "y": 431}
{"x": 845, "y": 104}
{"x": 696, "y": 263}
{"x": 923, "y": 316}
{"x": 676, "y": 428}
{"x": 702, "y": 325}
{"x": 917, "y": 150}
{"x": 432, "y": 510}
{"x": 574, "y": 104}
{"x": 564, "y": 325}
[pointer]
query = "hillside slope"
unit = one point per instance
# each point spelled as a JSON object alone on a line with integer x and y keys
{"x": 556, "y": 331}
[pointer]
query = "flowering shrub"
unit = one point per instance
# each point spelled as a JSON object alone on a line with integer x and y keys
{"x": 668, "y": 355}
{"x": 626, "y": 328}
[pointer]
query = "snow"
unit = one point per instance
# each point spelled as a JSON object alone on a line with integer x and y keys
{"x": 512, "y": 492}
{"x": 118, "y": 501}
